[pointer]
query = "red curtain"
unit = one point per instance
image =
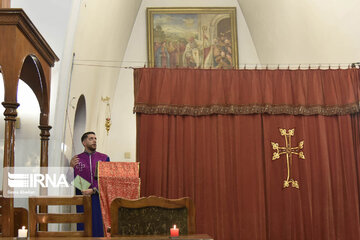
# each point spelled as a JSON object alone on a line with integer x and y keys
{"x": 212, "y": 143}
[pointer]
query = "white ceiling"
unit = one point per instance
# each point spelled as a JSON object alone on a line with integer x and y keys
{"x": 283, "y": 31}
{"x": 304, "y": 31}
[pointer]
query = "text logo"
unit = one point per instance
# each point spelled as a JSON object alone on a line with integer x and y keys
{"x": 22, "y": 182}
{"x": 37, "y": 179}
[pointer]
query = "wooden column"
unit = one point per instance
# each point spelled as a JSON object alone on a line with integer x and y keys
{"x": 9, "y": 147}
{"x": 9, "y": 141}
{"x": 45, "y": 135}
{"x": 5, "y": 4}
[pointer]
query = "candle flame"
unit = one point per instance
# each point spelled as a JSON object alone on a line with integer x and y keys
{"x": 174, "y": 226}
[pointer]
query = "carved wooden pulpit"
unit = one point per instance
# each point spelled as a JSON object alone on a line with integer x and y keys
{"x": 24, "y": 54}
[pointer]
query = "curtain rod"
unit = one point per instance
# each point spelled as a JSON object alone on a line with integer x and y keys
{"x": 259, "y": 66}
{"x": 303, "y": 66}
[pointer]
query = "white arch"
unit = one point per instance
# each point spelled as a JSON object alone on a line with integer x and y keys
{"x": 79, "y": 125}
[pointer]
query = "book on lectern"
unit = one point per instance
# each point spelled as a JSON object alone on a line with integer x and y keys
{"x": 81, "y": 184}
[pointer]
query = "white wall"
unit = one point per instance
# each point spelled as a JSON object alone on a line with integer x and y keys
{"x": 52, "y": 18}
{"x": 122, "y": 136}
{"x": 306, "y": 31}
{"x": 102, "y": 35}
{"x": 98, "y": 33}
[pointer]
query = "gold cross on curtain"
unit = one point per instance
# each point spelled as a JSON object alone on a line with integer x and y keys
{"x": 289, "y": 151}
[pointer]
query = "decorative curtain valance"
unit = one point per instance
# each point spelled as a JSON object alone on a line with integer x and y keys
{"x": 197, "y": 92}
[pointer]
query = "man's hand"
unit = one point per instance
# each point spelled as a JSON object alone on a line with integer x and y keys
{"x": 74, "y": 161}
{"x": 87, "y": 192}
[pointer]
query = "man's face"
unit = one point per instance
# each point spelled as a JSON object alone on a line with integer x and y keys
{"x": 90, "y": 142}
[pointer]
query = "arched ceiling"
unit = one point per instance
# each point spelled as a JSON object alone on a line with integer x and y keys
{"x": 305, "y": 31}
{"x": 283, "y": 31}
{"x": 104, "y": 28}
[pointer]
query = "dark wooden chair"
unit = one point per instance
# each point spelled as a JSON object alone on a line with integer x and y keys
{"x": 151, "y": 216}
{"x": 36, "y": 218}
{"x": 20, "y": 219}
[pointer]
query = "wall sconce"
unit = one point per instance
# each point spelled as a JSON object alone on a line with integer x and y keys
{"x": 71, "y": 102}
{"x": 107, "y": 113}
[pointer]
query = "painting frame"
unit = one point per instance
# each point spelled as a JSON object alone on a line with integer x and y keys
{"x": 192, "y": 37}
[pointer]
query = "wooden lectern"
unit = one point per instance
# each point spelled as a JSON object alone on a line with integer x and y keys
{"x": 116, "y": 179}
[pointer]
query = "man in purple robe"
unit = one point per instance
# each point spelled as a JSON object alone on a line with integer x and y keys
{"x": 84, "y": 165}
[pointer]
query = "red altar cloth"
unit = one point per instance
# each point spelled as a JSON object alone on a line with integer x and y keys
{"x": 117, "y": 179}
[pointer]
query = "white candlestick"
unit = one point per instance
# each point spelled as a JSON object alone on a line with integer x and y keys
{"x": 22, "y": 232}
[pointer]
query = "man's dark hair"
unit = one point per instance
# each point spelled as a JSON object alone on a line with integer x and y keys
{"x": 85, "y": 135}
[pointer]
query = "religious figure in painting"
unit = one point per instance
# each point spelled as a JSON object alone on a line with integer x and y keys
{"x": 162, "y": 56}
{"x": 192, "y": 54}
{"x": 193, "y": 41}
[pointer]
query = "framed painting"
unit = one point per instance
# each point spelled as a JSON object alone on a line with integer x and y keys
{"x": 192, "y": 37}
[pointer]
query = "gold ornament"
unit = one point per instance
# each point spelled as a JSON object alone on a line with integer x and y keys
{"x": 107, "y": 114}
{"x": 288, "y": 150}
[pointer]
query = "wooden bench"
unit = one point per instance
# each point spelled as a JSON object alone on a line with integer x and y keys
{"x": 20, "y": 216}
{"x": 36, "y": 218}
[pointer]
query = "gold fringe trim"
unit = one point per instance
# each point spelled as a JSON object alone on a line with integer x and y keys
{"x": 247, "y": 109}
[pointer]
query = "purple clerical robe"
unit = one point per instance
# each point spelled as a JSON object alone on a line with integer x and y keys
{"x": 87, "y": 166}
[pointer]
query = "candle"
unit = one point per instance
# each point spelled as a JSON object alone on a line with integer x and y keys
{"x": 22, "y": 232}
{"x": 174, "y": 232}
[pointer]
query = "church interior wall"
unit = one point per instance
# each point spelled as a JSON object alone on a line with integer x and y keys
{"x": 108, "y": 36}
{"x": 309, "y": 33}
{"x": 100, "y": 42}
{"x": 293, "y": 32}
{"x": 122, "y": 135}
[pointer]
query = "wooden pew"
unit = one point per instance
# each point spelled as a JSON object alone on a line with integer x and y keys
{"x": 36, "y": 218}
